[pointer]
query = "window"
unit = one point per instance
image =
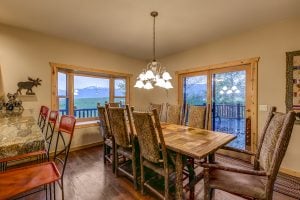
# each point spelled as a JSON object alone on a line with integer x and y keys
{"x": 77, "y": 92}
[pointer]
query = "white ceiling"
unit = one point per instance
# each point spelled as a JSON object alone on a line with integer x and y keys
{"x": 125, "y": 26}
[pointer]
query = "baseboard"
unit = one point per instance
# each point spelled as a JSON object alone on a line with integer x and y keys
{"x": 290, "y": 172}
{"x": 86, "y": 146}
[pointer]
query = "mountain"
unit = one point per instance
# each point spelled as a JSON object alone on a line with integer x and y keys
{"x": 92, "y": 92}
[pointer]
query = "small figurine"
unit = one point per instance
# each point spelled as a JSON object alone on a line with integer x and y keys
{"x": 28, "y": 85}
{"x": 13, "y": 102}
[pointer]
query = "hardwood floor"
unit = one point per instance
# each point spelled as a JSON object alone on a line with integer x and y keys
{"x": 87, "y": 178}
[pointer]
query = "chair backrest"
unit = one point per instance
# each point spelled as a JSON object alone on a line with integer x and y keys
{"x": 274, "y": 141}
{"x": 174, "y": 114}
{"x": 104, "y": 122}
{"x": 119, "y": 126}
{"x": 114, "y": 104}
{"x": 196, "y": 116}
{"x": 50, "y": 127}
{"x": 64, "y": 137}
{"x": 150, "y": 136}
{"x": 43, "y": 117}
{"x": 158, "y": 107}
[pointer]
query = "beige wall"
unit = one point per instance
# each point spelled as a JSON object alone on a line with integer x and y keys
{"x": 269, "y": 42}
{"x": 25, "y": 53}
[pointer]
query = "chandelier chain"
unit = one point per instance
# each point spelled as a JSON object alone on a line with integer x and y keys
{"x": 154, "y": 56}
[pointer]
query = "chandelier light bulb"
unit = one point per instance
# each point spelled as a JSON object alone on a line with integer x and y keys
{"x": 168, "y": 85}
{"x": 150, "y": 74}
{"x": 148, "y": 86}
{"x": 166, "y": 76}
{"x": 142, "y": 76}
{"x": 237, "y": 91}
{"x": 224, "y": 88}
{"x": 221, "y": 92}
{"x": 139, "y": 84}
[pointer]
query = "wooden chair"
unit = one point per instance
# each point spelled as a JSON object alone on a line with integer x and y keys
{"x": 259, "y": 182}
{"x": 125, "y": 142}
{"x": 114, "y": 104}
{"x": 174, "y": 114}
{"x": 17, "y": 181}
{"x": 43, "y": 117}
{"x": 153, "y": 151}
{"x": 158, "y": 107}
{"x": 196, "y": 116}
{"x": 107, "y": 136}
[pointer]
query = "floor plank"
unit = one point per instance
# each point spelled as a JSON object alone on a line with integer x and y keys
{"x": 87, "y": 178}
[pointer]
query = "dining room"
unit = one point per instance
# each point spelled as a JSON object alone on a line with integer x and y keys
{"x": 131, "y": 99}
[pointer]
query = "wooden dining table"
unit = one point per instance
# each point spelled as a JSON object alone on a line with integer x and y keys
{"x": 192, "y": 142}
{"x": 19, "y": 135}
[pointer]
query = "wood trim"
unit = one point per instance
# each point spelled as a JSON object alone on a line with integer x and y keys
{"x": 220, "y": 65}
{"x": 290, "y": 172}
{"x": 88, "y": 69}
{"x": 54, "y": 100}
{"x": 251, "y": 67}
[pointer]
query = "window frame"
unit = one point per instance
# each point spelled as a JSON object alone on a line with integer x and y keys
{"x": 71, "y": 71}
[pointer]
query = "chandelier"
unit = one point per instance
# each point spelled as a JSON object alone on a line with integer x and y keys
{"x": 154, "y": 74}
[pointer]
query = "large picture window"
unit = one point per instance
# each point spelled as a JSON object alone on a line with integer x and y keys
{"x": 78, "y": 92}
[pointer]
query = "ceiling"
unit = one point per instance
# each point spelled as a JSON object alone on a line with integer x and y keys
{"x": 125, "y": 26}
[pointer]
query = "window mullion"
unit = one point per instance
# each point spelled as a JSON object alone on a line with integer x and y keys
{"x": 71, "y": 92}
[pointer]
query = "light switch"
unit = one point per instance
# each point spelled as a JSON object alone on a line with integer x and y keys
{"x": 263, "y": 108}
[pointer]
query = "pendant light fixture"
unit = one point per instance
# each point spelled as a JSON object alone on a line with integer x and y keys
{"x": 154, "y": 74}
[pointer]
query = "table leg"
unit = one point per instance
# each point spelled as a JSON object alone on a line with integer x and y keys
{"x": 211, "y": 157}
{"x": 179, "y": 184}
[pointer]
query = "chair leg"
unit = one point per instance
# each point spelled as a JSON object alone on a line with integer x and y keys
{"x": 134, "y": 172}
{"x": 116, "y": 158}
{"x": 104, "y": 152}
{"x": 208, "y": 191}
{"x": 54, "y": 195}
{"x": 142, "y": 175}
{"x": 166, "y": 186}
{"x": 62, "y": 189}
{"x": 113, "y": 156}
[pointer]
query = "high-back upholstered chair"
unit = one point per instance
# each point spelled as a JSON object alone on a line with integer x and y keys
{"x": 174, "y": 114}
{"x": 17, "y": 181}
{"x": 158, "y": 107}
{"x": 106, "y": 134}
{"x": 271, "y": 150}
{"x": 153, "y": 152}
{"x": 196, "y": 116}
{"x": 43, "y": 117}
{"x": 114, "y": 104}
{"x": 125, "y": 142}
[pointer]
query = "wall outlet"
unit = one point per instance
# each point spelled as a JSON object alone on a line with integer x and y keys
{"x": 263, "y": 108}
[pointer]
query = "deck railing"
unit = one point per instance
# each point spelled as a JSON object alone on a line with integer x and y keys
{"x": 82, "y": 113}
{"x": 229, "y": 111}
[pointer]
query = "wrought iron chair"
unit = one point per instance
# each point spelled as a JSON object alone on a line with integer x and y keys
{"x": 125, "y": 142}
{"x": 259, "y": 182}
{"x": 107, "y": 136}
{"x": 153, "y": 151}
{"x": 52, "y": 120}
{"x": 43, "y": 117}
{"x": 175, "y": 114}
{"x": 17, "y": 181}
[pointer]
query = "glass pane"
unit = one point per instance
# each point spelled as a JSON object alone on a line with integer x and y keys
{"x": 229, "y": 91}
{"x": 195, "y": 90}
{"x": 63, "y": 106}
{"x": 62, "y": 84}
{"x": 120, "y": 87}
{"x": 88, "y": 91}
{"x": 122, "y": 100}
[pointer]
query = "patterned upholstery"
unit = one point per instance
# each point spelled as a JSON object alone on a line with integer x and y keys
{"x": 117, "y": 118}
{"x": 153, "y": 152}
{"x": 196, "y": 116}
{"x": 270, "y": 140}
{"x": 147, "y": 136}
{"x": 174, "y": 114}
{"x": 273, "y": 144}
{"x": 104, "y": 122}
{"x": 158, "y": 107}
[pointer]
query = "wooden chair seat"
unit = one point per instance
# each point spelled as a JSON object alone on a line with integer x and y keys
{"x": 20, "y": 180}
{"x": 237, "y": 183}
